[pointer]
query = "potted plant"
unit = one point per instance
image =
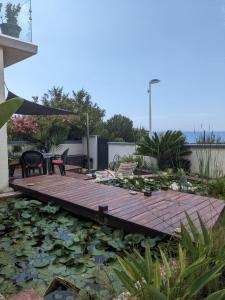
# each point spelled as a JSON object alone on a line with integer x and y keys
{"x": 10, "y": 26}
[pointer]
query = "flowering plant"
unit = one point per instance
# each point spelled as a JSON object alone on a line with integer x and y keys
{"x": 22, "y": 128}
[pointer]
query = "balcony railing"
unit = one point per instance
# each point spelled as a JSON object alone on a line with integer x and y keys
{"x": 16, "y": 19}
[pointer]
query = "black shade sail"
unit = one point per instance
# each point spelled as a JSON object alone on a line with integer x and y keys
{"x": 33, "y": 109}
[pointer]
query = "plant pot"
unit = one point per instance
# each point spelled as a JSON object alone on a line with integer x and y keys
{"x": 11, "y": 29}
{"x": 148, "y": 193}
{"x": 164, "y": 188}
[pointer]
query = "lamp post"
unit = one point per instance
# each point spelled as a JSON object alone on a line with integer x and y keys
{"x": 153, "y": 81}
{"x": 88, "y": 143}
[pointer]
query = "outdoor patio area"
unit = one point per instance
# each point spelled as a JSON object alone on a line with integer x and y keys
{"x": 162, "y": 212}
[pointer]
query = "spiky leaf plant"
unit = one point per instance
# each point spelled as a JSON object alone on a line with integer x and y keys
{"x": 168, "y": 148}
{"x": 196, "y": 273}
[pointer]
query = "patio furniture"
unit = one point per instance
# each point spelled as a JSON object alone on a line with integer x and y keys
{"x": 31, "y": 161}
{"x": 73, "y": 168}
{"x": 13, "y": 164}
{"x": 48, "y": 157}
{"x": 125, "y": 170}
{"x": 60, "y": 161}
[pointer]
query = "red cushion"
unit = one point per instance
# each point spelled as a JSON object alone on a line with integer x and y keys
{"x": 57, "y": 162}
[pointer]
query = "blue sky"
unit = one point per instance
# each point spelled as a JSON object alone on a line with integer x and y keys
{"x": 112, "y": 48}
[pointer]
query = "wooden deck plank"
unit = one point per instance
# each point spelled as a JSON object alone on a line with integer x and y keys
{"x": 160, "y": 213}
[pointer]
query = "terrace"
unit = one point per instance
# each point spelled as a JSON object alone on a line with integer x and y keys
{"x": 88, "y": 218}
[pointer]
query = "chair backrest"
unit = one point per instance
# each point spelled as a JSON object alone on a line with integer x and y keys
{"x": 126, "y": 169}
{"x": 31, "y": 158}
{"x": 65, "y": 155}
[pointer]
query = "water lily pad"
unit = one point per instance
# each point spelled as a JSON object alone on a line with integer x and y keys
{"x": 2, "y": 227}
{"x": 26, "y": 215}
{"x": 134, "y": 238}
{"x": 116, "y": 244}
{"x": 50, "y": 209}
{"x": 41, "y": 262}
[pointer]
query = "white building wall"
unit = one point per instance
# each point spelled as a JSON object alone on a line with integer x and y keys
{"x": 215, "y": 154}
{"x": 93, "y": 142}
{"x": 75, "y": 148}
{"x": 121, "y": 149}
{"x": 4, "y": 173}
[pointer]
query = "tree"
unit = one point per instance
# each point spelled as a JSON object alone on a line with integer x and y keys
{"x": 120, "y": 128}
{"x": 139, "y": 134}
{"x": 168, "y": 148}
{"x": 79, "y": 102}
{"x": 51, "y": 132}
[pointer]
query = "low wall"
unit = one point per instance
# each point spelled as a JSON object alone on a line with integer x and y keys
{"x": 211, "y": 157}
{"x": 121, "y": 149}
{"x": 202, "y": 156}
{"x": 75, "y": 148}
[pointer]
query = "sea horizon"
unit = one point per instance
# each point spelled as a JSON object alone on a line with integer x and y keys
{"x": 194, "y": 136}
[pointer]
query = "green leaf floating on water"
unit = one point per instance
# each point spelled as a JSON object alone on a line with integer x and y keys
{"x": 26, "y": 215}
{"x": 134, "y": 238}
{"x": 50, "y": 209}
{"x": 40, "y": 242}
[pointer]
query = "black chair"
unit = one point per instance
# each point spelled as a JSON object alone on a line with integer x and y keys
{"x": 31, "y": 161}
{"x": 60, "y": 161}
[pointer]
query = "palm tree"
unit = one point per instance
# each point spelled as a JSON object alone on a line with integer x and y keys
{"x": 168, "y": 148}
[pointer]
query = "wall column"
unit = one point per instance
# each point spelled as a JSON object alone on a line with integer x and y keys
{"x": 4, "y": 177}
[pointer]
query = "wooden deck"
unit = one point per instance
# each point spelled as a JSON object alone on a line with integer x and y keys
{"x": 160, "y": 213}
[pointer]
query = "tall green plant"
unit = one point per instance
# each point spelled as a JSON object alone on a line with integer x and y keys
{"x": 7, "y": 109}
{"x": 51, "y": 133}
{"x": 168, "y": 148}
{"x": 196, "y": 273}
{"x": 146, "y": 279}
{"x": 209, "y": 164}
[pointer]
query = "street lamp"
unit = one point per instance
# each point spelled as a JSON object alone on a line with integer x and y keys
{"x": 153, "y": 81}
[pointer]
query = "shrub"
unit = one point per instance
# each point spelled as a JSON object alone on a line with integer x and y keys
{"x": 216, "y": 188}
{"x": 168, "y": 148}
{"x": 196, "y": 273}
{"x": 22, "y": 128}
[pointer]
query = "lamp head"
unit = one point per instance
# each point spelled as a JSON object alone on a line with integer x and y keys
{"x": 153, "y": 81}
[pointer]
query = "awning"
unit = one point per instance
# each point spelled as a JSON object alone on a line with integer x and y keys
{"x": 33, "y": 109}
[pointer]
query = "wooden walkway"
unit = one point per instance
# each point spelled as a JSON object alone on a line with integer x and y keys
{"x": 160, "y": 213}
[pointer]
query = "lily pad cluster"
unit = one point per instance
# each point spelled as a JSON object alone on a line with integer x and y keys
{"x": 41, "y": 241}
{"x": 143, "y": 183}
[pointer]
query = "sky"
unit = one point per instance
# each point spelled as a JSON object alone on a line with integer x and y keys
{"x": 112, "y": 48}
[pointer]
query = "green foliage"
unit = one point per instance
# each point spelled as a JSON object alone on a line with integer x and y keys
{"x": 39, "y": 242}
{"x": 11, "y": 12}
{"x": 79, "y": 102}
{"x": 196, "y": 273}
{"x": 216, "y": 188}
{"x": 7, "y": 109}
{"x": 141, "y": 162}
{"x": 168, "y": 148}
{"x": 120, "y": 127}
{"x": 51, "y": 132}
{"x": 162, "y": 180}
{"x": 208, "y": 138}
{"x": 16, "y": 148}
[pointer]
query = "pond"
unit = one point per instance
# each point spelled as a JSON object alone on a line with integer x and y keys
{"x": 141, "y": 183}
{"x": 41, "y": 241}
